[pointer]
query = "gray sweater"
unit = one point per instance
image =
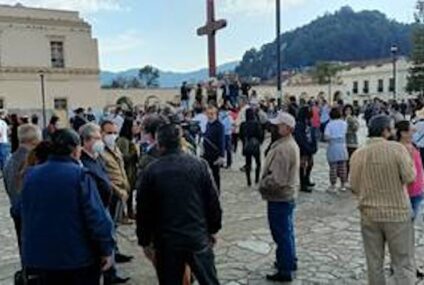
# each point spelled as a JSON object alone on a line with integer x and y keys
{"x": 12, "y": 173}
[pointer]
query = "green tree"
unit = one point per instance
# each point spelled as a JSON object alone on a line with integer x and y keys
{"x": 326, "y": 73}
{"x": 149, "y": 76}
{"x": 134, "y": 82}
{"x": 416, "y": 72}
{"x": 119, "y": 83}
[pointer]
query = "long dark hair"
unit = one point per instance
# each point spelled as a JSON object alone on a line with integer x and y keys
{"x": 304, "y": 115}
{"x": 126, "y": 130}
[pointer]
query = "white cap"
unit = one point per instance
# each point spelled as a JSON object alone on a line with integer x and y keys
{"x": 284, "y": 118}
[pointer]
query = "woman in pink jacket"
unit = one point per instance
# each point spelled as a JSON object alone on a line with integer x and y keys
{"x": 415, "y": 189}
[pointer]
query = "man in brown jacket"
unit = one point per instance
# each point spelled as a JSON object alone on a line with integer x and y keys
{"x": 279, "y": 187}
{"x": 115, "y": 169}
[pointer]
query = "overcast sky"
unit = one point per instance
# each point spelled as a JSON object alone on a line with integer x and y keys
{"x": 133, "y": 33}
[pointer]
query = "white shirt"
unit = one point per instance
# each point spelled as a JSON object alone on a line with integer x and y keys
{"x": 203, "y": 121}
{"x": 336, "y": 129}
{"x": 3, "y": 132}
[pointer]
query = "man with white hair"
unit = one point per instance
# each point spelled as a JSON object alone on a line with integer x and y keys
{"x": 29, "y": 137}
{"x": 279, "y": 187}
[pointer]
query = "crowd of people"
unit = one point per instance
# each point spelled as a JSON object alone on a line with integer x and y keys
{"x": 159, "y": 168}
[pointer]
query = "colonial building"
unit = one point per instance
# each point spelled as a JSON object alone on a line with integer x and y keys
{"x": 358, "y": 81}
{"x": 53, "y": 46}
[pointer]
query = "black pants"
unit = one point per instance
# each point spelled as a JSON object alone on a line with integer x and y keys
{"x": 306, "y": 165}
{"x": 18, "y": 228}
{"x": 234, "y": 140}
{"x": 171, "y": 266}
{"x": 82, "y": 276}
{"x": 350, "y": 151}
{"x": 257, "y": 157}
{"x": 216, "y": 173}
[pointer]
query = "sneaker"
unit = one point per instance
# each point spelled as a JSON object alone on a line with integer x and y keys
{"x": 332, "y": 189}
{"x": 343, "y": 189}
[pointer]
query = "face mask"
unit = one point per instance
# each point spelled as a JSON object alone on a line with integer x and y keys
{"x": 98, "y": 147}
{"x": 110, "y": 141}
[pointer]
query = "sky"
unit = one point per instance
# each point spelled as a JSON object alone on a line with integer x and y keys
{"x": 133, "y": 33}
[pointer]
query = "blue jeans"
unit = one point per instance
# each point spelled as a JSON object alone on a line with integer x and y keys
{"x": 281, "y": 222}
{"x": 4, "y": 154}
{"x": 229, "y": 150}
{"x": 415, "y": 203}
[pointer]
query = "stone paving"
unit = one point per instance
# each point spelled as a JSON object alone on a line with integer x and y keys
{"x": 329, "y": 244}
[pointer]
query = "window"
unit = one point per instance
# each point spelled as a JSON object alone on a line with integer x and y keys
{"x": 380, "y": 88}
{"x": 366, "y": 87}
{"x": 355, "y": 87}
{"x": 392, "y": 85}
{"x": 57, "y": 55}
{"x": 61, "y": 104}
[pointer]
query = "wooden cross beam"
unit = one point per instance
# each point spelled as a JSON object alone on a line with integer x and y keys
{"x": 210, "y": 29}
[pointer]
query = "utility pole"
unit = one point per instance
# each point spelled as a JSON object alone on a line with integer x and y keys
{"x": 278, "y": 23}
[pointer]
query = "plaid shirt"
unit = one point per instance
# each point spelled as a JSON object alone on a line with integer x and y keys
{"x": 380, "y": 172}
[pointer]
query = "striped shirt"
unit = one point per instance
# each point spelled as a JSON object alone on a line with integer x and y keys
{"x": 379, "y": 173}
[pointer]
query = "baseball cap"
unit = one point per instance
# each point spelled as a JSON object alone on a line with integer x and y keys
{"x": 283, "y": 118}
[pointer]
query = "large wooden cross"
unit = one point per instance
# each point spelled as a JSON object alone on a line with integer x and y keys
{"x": 210, "y": 29}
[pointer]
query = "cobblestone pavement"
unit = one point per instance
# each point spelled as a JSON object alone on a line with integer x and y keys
{"x": 328, "y": 238}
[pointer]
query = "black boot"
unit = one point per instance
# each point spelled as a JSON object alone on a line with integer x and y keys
{"x": 249, "y": 180}
{"x": 304, "y": 187}
{"x": 279, "y": 278}
{"x": 258, "y": 174}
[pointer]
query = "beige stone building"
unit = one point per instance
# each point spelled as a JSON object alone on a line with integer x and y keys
{"x": 359, "y": 81}
{"x": 55, "y": 44}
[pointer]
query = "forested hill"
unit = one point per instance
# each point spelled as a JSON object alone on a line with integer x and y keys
{"x": 343, "y": 36}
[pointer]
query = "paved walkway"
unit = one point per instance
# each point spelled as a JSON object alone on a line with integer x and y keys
{"x": 328, "y": 238}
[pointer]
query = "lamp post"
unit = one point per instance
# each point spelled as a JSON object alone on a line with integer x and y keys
{"x": 278, "y": 23}
{"x": 394, "y": 51}
{"x": 43, "y": 97}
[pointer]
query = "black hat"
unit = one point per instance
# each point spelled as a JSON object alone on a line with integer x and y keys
{"x": 65, "y": 141}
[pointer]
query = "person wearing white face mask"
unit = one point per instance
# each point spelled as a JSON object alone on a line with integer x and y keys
{"x": 92, "y": 147}
{"x": 115, "y": 168}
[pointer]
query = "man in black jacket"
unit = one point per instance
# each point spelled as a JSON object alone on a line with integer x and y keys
{"x": 214, "y": 144}
{"x": 178, "y": 213}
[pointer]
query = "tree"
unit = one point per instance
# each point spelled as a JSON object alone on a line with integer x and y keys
{"x": 134, "y": 82}
{"x": 343, "y": 36}
{"x": 119, "y": 83}
{"x": 149, "y": 76}
{"x": 416, "y": 72}
{"x": 325, "y": 73}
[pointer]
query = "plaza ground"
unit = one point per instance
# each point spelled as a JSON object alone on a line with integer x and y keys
{"x": 329, "y": 244}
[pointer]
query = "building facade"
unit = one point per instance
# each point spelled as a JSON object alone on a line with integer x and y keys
{"x": 359, "y": 81}
{"x": 53, "y": 46}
